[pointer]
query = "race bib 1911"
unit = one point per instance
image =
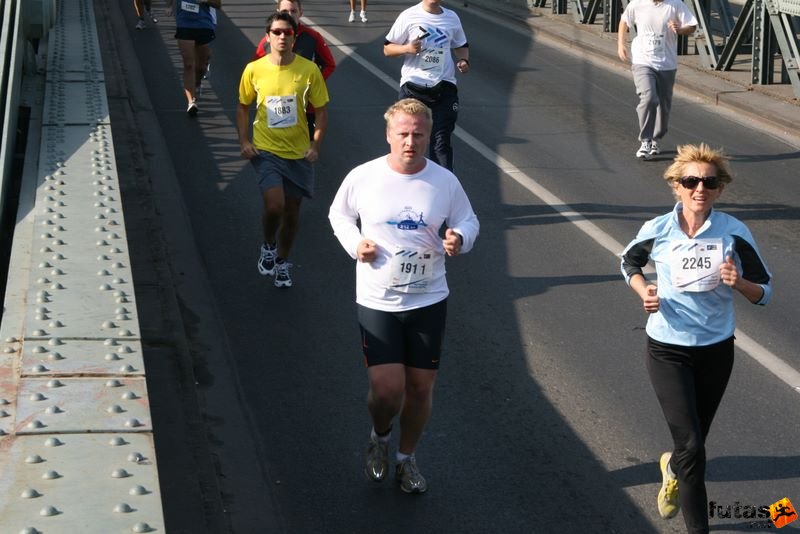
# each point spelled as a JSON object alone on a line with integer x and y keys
{"x": 695, "y": 263}
{"x": 411, "y": 271}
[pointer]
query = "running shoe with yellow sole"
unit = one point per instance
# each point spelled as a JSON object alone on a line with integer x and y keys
{"x": 668, "y": 498}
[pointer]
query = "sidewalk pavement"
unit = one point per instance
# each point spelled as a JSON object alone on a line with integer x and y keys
{"x": 774, "y": 105}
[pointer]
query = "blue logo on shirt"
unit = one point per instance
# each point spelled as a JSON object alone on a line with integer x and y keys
{"x": 408, "y": 220}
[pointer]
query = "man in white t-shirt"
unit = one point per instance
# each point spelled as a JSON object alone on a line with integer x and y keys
{"x": 654, "y": 62}
{"x": 388, "y": 214}
{"x": 427, "y": 36}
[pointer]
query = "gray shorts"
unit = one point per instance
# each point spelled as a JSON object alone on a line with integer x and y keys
{"x": 294, "y": 176}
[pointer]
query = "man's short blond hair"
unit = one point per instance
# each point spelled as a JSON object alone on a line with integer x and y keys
{"x": 409, "y": 106}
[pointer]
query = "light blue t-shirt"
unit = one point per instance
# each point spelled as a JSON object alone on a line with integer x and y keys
{"x": 694, "y": 318}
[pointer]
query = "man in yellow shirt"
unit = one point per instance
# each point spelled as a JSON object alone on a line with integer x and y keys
{"x": 282, "y": 84}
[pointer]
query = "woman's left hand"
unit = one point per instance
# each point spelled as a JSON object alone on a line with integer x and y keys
{"x": 728, "y": 272}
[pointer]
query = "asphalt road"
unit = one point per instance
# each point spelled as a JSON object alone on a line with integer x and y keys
{"x": 544, "y": 419}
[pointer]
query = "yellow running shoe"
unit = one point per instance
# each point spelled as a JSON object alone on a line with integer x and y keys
{"x": 668, "y": 500}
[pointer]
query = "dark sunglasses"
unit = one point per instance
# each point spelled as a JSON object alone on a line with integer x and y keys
{"x": 691, "y": 182}
{"x": 279, "y": 31}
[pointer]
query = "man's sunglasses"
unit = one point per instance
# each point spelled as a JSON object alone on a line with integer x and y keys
{"x": 691, "y": 182}
{"x": 288, "y": 32}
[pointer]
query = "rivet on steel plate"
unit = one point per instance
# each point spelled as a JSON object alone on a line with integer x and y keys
{"x": 142, "y": 527}
{"x": 118, "y": 281}
{"x": 133, "y": 423}
{"x": 110, "y": 357}
{"x": 103, "y": 257}
{"x": 48, "y": 511}
{"x": 106, "y": 287}
{"x": 127, "y": 369}
{"x": 117, "y": 441}
{"x": 53, "y": 410}
{"x": 130, "y": 395}
{"x": 102, "y": 243}
{"x": 56, "y": 324}
{"x": 39, "y": 349}
{"x": 123, "y": 508}
{"x": 55, "y": 356}
{"x": 4, "y": 413}
{"x": 120, "y": 473}
{"x": 35, "y": 424}
{"x": 34, "y": 459}
{"x": 125, "y": 332}
{"x": 29, "y": 530}
{"x": 110, "y": 342}
{"x": 39, "y": 333}
{"x": 138, "y": 490}
{"x": 136, "y": 457}
{"x": 103, "y": 272}
{"x": 38, "y": 397}
{"x": 113, "y": 383}
{"x": 30, "y": 494}
{"x": 125, "y": 350}
{"x": 55, "y": 383}
{"x": 57, "y": 286}
{"x": 39, "y": 368}
{"x": 56, "y": 342}
{"x": 51, "y": 475}
{"x": 108, "y": 324}
{"x": 53, "y": 442}
{"x": 115, "y": 408}
{"x": 4, "y": 402}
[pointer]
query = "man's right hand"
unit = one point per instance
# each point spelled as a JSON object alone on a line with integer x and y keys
{"x": 367, "y": 251}
{"x": 248, "y": 150}
{"x": 622, "y": 52}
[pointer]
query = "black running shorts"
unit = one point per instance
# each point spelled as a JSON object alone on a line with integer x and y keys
{"x": 413, "y": 338}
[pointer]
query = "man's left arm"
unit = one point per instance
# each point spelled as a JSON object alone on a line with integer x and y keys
{"x": 320, "y": 125}
{"x": 462, "y": 58}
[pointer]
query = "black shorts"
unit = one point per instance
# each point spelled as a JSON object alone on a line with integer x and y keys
{"x": 413, "y": 338}
{"x": 200, "y": 36}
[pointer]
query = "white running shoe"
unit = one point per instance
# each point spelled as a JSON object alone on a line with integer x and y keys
{"x": 655, "y": 150}
{"x": 192, "y": 109}
{"x": 644, "y": 150}
{"x": 352, "y": 17}
{"x": 363, "y": 16}
{"x": 282, "y": 276}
